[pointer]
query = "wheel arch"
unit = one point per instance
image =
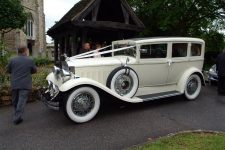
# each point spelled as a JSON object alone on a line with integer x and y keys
{"x": 183, "y": 80}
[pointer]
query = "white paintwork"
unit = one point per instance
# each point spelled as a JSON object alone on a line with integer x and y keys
{"x": 156, "y": 75}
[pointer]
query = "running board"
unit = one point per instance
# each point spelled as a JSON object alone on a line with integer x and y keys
{"x": 159, "y": 95}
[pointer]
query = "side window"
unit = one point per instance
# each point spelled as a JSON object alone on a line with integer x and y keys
{"x": 196, "y": 49}
{"x": 153, "y": 51}
{"x": 179, "y": 50}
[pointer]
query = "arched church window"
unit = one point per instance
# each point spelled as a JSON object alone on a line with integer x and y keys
{"x": 30, "y": 28}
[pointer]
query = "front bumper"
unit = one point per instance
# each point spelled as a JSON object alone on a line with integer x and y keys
{"x": 45, "y": 97}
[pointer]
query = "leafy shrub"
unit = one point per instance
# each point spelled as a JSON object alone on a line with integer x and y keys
{"x": 4, "y": 58}
{"x": 39, "y": 61}
{"x": 39, "y": 79}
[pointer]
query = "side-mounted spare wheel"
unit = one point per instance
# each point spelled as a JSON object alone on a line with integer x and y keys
{"x": 193, "y": 87}
{"x": 82, "y": 104}
{"x": 124, "y": 81}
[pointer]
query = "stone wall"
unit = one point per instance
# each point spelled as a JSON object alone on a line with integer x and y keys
{"x": 5, "y": 96}
{"x": 15, "y": 38}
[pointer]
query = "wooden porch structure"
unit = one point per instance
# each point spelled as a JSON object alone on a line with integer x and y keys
{"x": 95, "y": 21}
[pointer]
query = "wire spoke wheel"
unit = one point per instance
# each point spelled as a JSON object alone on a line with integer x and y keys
{"x": 123, "y": 84}
{"x": 193, "y": 87}
{"x": 82, "y": 104}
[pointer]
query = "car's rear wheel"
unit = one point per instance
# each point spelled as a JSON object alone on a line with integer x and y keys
{"x": 82, "y": 104}
{"x": 193, "y": 87}
{"x": 124, "y": 81}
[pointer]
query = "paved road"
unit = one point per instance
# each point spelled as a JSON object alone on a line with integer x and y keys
{"x": 118, "y": 125}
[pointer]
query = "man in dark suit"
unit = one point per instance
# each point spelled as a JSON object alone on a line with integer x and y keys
{"x": 220, "y": 66}
{"x": 20, "y": 69}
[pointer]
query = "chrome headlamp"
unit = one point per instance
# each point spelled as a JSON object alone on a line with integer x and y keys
{"x": 65, "y": 69}
{"x": 56, "y": 72}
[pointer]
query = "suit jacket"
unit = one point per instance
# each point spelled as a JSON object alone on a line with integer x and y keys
{"x": 21, "y": 68}
{"x": 220, "y": 64}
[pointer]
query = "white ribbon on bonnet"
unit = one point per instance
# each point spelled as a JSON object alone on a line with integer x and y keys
{"x": 96, "y": 52}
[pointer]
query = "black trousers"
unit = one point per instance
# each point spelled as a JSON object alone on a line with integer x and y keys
{"x": 19, "y": 100}
{"x": 221, "y": 85}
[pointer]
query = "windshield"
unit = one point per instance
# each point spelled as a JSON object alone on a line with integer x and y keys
{"x": 127, "y": 52}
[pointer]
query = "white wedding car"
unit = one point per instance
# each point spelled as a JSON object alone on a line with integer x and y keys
{"x": 138, "y": 70}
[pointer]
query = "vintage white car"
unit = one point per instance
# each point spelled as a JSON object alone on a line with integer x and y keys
{"x": 138, "y": 70}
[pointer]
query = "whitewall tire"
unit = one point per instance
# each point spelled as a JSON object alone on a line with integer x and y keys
{"x": 82, "y": 104}
{"x": 124, "y": 81}
{"x": 193, "y": 87}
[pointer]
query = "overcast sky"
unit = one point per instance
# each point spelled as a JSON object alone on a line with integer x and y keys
{"x": 54, "y": 11}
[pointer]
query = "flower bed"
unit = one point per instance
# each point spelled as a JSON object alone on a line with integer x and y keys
{"x": 39, "y": 80}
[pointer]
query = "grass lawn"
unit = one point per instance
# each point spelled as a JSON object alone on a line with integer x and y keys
{"x": 188, "y": 141}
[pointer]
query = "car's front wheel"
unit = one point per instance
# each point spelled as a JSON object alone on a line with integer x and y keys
{"x": 82, "y": 104}
{"x": 193, "y": 87}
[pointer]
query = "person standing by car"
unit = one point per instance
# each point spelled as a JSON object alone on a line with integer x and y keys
{"x": 86, "y": 47}
{"x": 20, "y": 69}
{"x": 220, "y": 66}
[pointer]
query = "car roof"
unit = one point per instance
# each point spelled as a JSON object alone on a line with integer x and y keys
{"x": 160, "y": 39}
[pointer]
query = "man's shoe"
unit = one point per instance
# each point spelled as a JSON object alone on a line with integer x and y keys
{"x": 16, "y": 122}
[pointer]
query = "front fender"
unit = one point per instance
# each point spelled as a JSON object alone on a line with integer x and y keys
{"x": 73, "y": 83}
{"x": 183, "y": 80}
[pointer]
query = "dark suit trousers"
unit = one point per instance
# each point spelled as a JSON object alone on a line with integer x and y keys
{"x": 19, "y": 100}
{"x": 221, "y": 85}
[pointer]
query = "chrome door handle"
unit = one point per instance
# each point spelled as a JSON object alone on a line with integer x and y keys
{"x": 170, "y": 62}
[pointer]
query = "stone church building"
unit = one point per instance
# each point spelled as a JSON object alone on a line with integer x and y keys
{"x": 32, "y": 34}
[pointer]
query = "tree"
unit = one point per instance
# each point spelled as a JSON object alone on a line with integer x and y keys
{"x": 12, "y": 16}
{"x": 196, "y": 18}
{"x": 179, "y": 17}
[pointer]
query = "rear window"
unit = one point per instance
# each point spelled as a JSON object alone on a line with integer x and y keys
{"x": 179, "y": 49}
{"x": 196, "y": 49}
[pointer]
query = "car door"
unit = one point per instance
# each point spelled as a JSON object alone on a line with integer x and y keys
{"x": 177, "y": 61}
{"x": 152, "y": 68}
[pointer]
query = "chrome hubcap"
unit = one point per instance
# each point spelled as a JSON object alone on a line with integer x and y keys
{"x": 123, "y": 84}
{"x": 192, "y": 86}
{"x": 82, "y": 104}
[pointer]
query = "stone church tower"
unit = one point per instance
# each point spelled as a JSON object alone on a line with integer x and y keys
{"x": 33, "y": 33}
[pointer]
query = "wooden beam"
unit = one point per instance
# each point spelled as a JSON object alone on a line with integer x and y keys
{"x": 61, "y": 47}
{"x": 84, "y": 36}
{"x": 95, "y": 12}
{"x": 87, "y": 10}
{"x": 108, "y": 25}
{"x": 67, "y": 45}
{"x": 125, "y": 15}
{"x": 132, "y": 14}
{"x": 56, "y": 50}
{"x": 74, "y": 45}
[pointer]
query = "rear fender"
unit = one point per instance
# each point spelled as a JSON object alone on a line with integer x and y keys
{"x": 183, "y": 80}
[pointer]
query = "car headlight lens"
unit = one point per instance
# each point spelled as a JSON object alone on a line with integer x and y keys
{"x": 56, "y": 72}
{"x": 65, "y": 66}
